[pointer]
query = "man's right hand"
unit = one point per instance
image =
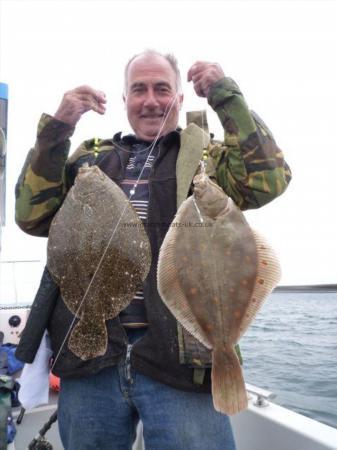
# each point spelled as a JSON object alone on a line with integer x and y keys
{"x": 78, "y": 101}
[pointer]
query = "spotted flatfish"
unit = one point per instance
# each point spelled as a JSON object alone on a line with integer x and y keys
{"x": 214, "y": 273}
{"x": 98, "y": 253}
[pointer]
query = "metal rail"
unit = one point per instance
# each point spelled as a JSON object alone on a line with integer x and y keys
{"x": 261, "y": 395}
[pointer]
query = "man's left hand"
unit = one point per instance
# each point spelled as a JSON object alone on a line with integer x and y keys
{"x": 204, "y": 75}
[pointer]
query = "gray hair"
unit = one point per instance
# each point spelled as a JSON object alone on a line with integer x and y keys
{"x": 168, "y": 56}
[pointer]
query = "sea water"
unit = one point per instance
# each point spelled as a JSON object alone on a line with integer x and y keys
{"x": 291, "y": 350}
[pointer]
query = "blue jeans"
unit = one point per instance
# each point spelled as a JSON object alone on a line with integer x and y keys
{"x": 101, "y": 412}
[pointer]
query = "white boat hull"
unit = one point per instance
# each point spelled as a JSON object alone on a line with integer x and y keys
{"x": 259, "y": 428}
{"x": 276, "y": 428}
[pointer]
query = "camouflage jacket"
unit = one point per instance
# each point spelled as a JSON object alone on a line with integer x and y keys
{"x": 248, "y": 165}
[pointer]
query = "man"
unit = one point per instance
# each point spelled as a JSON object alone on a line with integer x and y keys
{"x": 152, "y": 369}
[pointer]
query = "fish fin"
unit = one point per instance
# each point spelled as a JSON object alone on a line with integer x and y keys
{"x": 228, "y": 386}
{"x": 267, "y": 277}
{"x": 88, "y": 338}
{"x": 171, "y": 293}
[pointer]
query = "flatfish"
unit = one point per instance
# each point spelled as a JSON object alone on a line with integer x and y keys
{"x": 99, "y": 254}
{"x": 214, "y": 274}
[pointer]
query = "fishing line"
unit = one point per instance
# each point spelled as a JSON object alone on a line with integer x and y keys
{"x": 198, "y": 210}
{"x": 202, "y": 164}
{"x": 132, "y": 192}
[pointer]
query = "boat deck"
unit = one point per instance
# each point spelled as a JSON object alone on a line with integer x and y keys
{"x": 270, "y": 427}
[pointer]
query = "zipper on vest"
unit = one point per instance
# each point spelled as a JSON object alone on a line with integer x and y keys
{"x": 128, "y": 363}
{"x": 123, "y": 166}
{"x": 150, "y": 184}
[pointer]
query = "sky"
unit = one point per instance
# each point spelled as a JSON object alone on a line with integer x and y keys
{"x": 282, "y": 55}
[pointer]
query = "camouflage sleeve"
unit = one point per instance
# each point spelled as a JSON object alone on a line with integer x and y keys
{"x": 41, "y": 186}
{"x": 249, "y": 165}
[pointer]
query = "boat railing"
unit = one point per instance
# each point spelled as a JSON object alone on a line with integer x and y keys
{"x": 261, "y": 395}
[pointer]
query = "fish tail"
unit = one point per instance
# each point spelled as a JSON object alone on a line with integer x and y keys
{"x": 228, "y": 386}
{"x": 88, "y": 339}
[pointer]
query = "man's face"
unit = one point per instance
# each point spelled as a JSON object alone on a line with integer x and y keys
{"x": 151, "y": 89}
